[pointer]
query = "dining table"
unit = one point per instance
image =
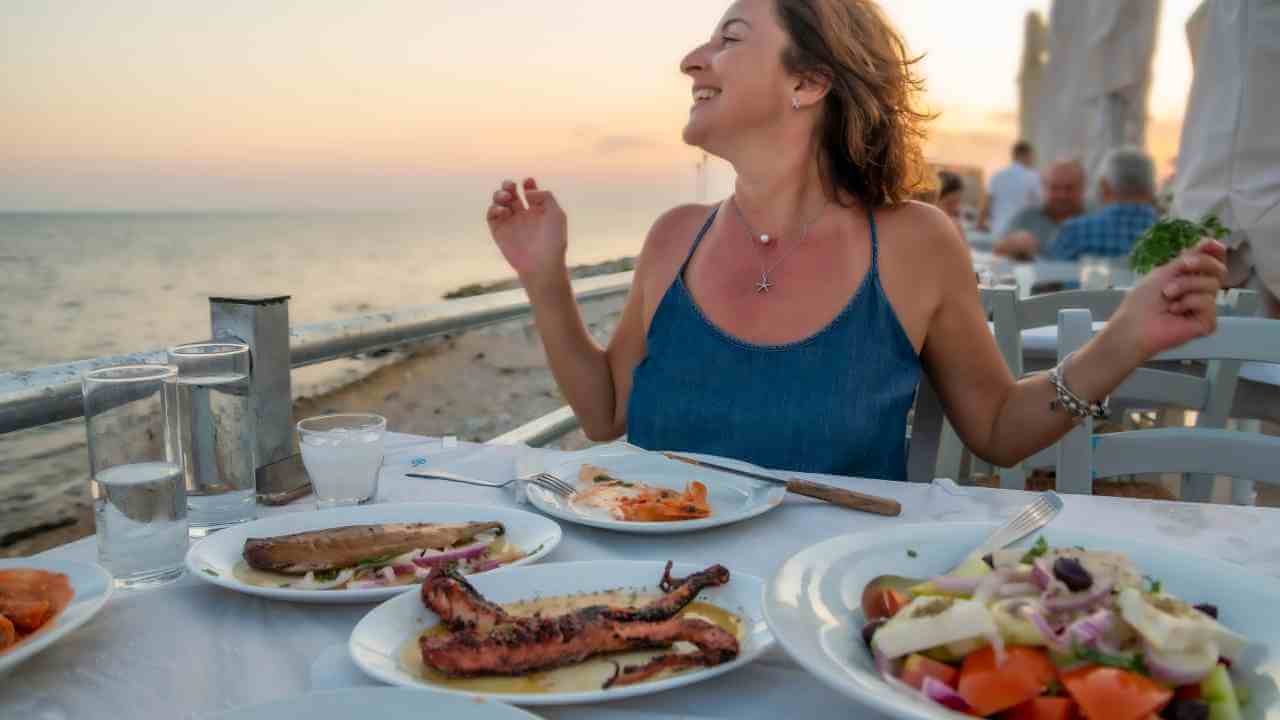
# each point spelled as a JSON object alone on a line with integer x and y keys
{"x": 190, "y": 649}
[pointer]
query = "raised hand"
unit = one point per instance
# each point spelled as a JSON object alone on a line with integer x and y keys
{"x": 532, "y": 239}
{"x": 1177, "y": 301}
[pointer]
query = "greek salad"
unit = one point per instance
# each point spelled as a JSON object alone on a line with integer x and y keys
{"x": 1054, "y": 633}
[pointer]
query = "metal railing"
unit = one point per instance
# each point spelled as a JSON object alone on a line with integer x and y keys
{"x": 31, "y": 398}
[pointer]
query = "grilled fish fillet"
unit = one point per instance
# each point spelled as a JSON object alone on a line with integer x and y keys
{"x": 337, "y": 548}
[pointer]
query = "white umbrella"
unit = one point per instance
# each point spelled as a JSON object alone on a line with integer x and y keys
{"x": 1031, "y": 75}
{"x": 1098, "y": 78}
{"x": 1229, "y": 161}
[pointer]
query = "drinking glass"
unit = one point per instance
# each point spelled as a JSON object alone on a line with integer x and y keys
{"x": 1095, "y": 272}
{"x": 342, "y": 454}
{"x": 215, "y": 434}
{"x": 139, "y": 499}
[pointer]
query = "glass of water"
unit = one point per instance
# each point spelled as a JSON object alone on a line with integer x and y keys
{"x": 139, "y": 499}
{"x": 342, "y": 454}
{"x": 1095, "y": 272}
{"x": 215, "y": 434}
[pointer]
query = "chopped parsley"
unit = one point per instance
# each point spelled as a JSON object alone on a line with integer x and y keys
{"x": 325, "y": 575}
{"x": 1154, "y": 585}
{"x": 912, "y": 553}
{"x": 1088, "y": 654}
{"x": 1038, "y": 550}
{"x": 211, "y": 571}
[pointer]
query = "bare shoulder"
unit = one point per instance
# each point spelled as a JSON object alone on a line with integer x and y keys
{"x": 669, "y": 240}
{"x": 673, "y": 232}
{"x": 922, "y": 237}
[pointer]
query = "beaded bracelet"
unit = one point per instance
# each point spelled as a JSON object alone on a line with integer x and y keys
{"x": 1072, "y": 403}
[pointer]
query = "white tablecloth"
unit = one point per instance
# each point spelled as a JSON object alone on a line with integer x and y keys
{"x": 192, "y": 648}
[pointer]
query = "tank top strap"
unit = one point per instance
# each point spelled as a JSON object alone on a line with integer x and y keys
{"x": 875, "y": 245}
{"x": 698, "y": 239}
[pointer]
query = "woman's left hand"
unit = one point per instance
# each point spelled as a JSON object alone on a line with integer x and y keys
{"x": 1177, "y": 302}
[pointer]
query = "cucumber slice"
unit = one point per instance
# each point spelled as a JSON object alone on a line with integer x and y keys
{"x": 1220, "y": 693}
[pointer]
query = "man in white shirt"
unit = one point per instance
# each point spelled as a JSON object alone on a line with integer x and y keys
{"x": 1011, "y": 189}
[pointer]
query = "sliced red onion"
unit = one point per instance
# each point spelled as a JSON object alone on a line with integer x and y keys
{"x": 387, "y": 574}
{"x": 955, "y": 584}
{"x": 1015, "y": 589}
{"x": 406, "y": 569}
{"x": 1087, "y": 630}
{"x": 1042, "y": 573}
{"x": 1077, "y": 601}
{"x": 990, "y": 584}
{"x": 937, "y": 691}
{"x": 448, "y": 556}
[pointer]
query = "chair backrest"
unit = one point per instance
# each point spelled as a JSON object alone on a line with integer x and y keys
{"x": 926, "y": 433}
{"x": 1083, "y": 456}
{"x": 1011, "y": 314}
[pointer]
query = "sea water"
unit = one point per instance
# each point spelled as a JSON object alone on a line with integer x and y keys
{"x": 216, "y": 441}
{"x": 141, "y": 515}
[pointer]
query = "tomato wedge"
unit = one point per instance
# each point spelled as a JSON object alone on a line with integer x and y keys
{"x": 990, "y": 688}
{"x": 1043, "y": 708}
{"x": 1107, "y": 693}
{"x": 883, "y": 602}
{"x": 918, "y": 667}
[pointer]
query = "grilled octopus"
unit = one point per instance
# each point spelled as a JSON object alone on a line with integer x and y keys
{"x": 486, "y": 640}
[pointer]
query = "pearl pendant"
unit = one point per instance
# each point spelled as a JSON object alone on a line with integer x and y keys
{"x": 765, "y": 239}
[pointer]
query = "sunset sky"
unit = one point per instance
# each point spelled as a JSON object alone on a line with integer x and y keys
{"x": 134, "y": 104}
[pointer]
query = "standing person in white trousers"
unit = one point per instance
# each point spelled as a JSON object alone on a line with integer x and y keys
{"x": 1229, "y": 161}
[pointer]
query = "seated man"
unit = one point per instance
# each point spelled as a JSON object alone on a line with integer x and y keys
{"x": 1034, "y": 227}
{"x": 1127, "y": 194}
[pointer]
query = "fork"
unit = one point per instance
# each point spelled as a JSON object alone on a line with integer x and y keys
{"x": 544, "y": 480}
{"x": 1031, "y": 518}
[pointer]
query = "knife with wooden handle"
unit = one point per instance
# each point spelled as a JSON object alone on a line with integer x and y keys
{"x": 830, "y": 493}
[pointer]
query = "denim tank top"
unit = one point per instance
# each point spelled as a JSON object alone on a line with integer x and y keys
{"x": 834, "y": 403}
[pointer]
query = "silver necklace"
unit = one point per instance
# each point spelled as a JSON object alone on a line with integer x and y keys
{"x": 763, "y": 285}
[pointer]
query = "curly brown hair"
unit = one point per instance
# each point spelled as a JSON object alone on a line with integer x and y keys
{"x": 872, "y": 128}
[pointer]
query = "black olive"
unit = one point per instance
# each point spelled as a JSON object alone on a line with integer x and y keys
{"x": 869, "y": 630}
{"x": 1181, "y": 709}
{"x": 1072, "y": 574}
{"x": 1207, "y": 609}
{"x": 990, "y": 560}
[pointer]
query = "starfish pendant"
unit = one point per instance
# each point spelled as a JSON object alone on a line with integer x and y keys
{"x": 764, "y": 284}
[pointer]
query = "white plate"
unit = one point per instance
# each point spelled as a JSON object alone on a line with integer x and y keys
{"x": 213, "y": 558}
{"x": 813, "y": 604}
{"x": 383, "y": 703}
{"x": 732, "y": 498}
{"x": 377, "y": 639}
{"x": 92, "y": 586}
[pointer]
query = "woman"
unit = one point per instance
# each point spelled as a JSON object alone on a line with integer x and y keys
{"x": 788, "y": 325}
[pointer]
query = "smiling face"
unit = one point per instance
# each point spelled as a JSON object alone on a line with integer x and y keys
{"x": 739, "y": 84}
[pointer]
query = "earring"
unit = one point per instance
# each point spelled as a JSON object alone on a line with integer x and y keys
{"x": 795, "y": 102}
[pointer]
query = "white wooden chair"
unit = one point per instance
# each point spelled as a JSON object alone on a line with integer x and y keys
{"x": 1016, "y": 318}
{"x": 1012, "y": 314}
{"x": 1245, "y": 456}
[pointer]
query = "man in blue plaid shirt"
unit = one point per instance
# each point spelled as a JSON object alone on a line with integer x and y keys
{"x": 1127, "y": 191}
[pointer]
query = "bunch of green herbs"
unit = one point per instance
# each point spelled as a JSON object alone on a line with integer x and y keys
{"x": 1163, "y": 241}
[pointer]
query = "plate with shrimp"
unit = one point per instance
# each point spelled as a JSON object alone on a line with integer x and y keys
{"x": 42, "y": 600}
{"x": 642, "y": 492}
